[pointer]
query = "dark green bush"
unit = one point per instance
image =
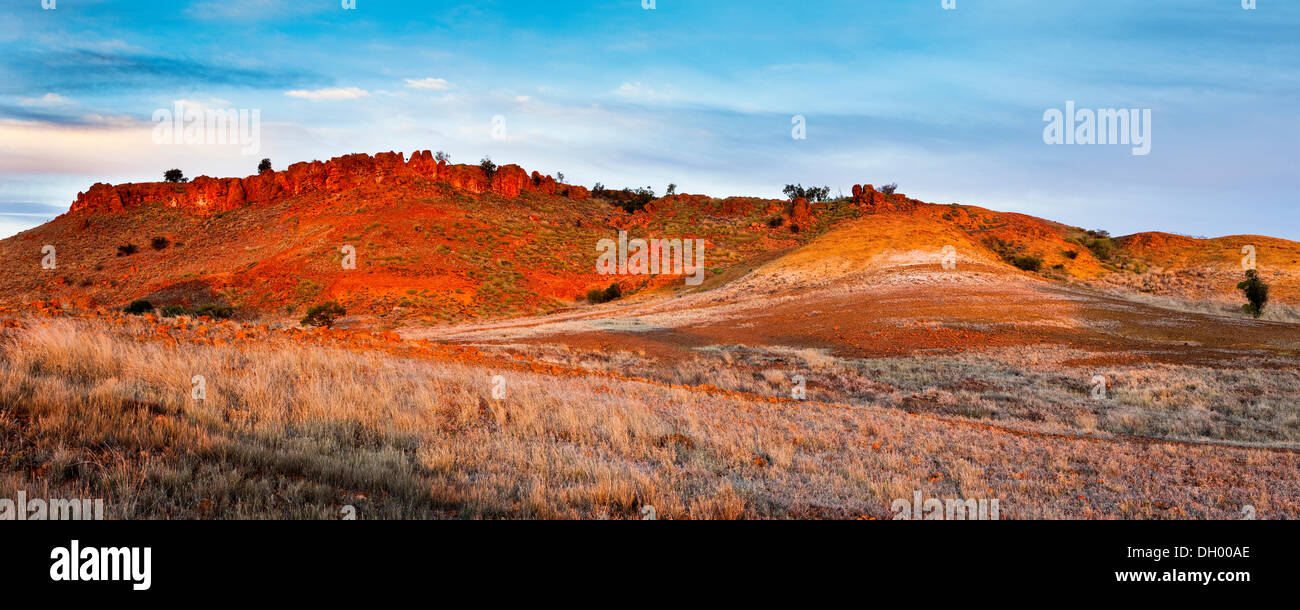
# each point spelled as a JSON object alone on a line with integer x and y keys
{"x": 138, "y": 307}
{"x": 1256, "y": 292}
{"x": 172, "y": 311}
{"x": 324, "y": 314}
{"x": 597, "y": 295}
{"x": 1028, "y": 262}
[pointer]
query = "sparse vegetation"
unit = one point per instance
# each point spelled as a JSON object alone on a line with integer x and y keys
{"x": 175, "y": 176}
{"x": 159, "y": 243}
{"x": 888, "y": 189}
{"x": 441, "y": 157}
{"x": 324, "y": 314}
{"x": 127, "y": 249}
{"x": 1027, "y": 262}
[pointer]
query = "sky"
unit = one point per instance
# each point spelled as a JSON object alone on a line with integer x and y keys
{"x": 947, "y": 103}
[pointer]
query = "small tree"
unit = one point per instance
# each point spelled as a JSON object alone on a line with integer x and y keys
{"x": 559, "y": 176}
{"x": 488, "y": 166}
{"x": 324, "y": 314}
{"x": 174, "y": 175}
{"x": 1256, "y": 292}
{"x": 264, "y": 166}
{"x": 672, "y": 190}
{"x": 889, "y": 189}
{"x": 442, "y": 157}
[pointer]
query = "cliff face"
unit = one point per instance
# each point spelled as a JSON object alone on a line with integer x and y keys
{"x": 216, "y": 194}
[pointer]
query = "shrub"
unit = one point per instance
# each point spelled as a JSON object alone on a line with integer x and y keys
{"x": 1256, "y": 291}
{"x": 597, "y": 295}
{"x": 159, "y": 243}
{"x": 888, "y": 189}
{"x": 672, "y": 190}
{"x": 1028, "y": 262}
{"x": 174, "y": 175}
{"x": 775, "y": 221}
{"x": 812, "y": 193}
{"x": 264, "y": 166}
{"x": 1070, "y": 254}
{"x": 138, "y": 307}
{"x": 324, "y": 314}
{"x": 488, "y": 166}
{"x": 442, "y": 157}
{"x": 127, "y": 250}
{"x": 171, "y": 311}
{"x": 220, "y": 312}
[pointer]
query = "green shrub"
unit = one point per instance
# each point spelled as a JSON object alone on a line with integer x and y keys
{"x": 597, "y": 295}
{"x": 221, "y": 312}
{"x": 324, "y": 314}
{"x": 1028, "y": 262}
{"x": 1256, "y": 292}
{"x": 171, "y": 311}
{"x": 138, "y": 307}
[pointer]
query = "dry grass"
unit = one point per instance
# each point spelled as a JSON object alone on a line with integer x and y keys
{"x": 294, "y": 431}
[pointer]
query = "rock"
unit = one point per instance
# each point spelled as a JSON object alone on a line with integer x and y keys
{"x": 217, "y": 194}
{"x": 510, "y": 180}
{"x": 800, "y": 212}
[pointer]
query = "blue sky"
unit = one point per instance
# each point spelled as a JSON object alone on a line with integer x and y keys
{"x": 947, "y": 103}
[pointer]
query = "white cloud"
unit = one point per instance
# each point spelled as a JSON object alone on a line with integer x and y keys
{"x": 332, "y": 93}
{"x": 437, "y": 84}
{"x": 49, "y": 99}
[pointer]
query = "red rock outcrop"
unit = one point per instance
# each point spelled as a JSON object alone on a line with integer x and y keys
{"x": 510, "y": 180}
{"x": 876, "y": 202}
{"x": 215, "y": 194}
{"x": 800, "y": 212}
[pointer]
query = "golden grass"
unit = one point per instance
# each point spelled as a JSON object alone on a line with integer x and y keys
{"x": 298, "y": 431}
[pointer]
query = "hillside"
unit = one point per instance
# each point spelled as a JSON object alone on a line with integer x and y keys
{"x": 438, "y": 243}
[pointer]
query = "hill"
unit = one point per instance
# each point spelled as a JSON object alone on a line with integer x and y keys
{"x": 439, "y": 243}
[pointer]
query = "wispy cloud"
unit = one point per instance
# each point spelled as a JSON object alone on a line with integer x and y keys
{"x": 437, "y": 84}
{"x": 332, "y": 93}
{"x": 38, "y": 72}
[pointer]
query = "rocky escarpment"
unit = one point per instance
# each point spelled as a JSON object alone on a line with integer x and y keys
{"x": 216, "y": 194}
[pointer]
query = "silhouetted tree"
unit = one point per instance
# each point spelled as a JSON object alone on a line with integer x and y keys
{"x": 264, "y": 166}
{"x": 174, "y": 175}
{"x": 488, "y": 166}
{"x": 1256, "y": 292}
